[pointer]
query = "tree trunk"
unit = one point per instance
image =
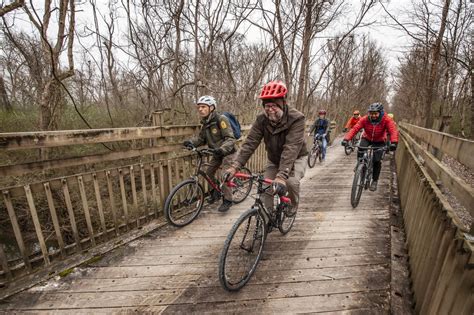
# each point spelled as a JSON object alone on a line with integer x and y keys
{"x": 433, "y": 77}
{"x": 471, "y": 135}
{"x": 51, "y": 106}
{"x": 281, "y": 48}
{"x": 4, "y": 101}
{"x": 196, "y": 51}
{"x": 304, "y": 70}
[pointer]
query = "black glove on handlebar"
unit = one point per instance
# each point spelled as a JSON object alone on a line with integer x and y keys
{"x": 393, "y": 146}
{"x": 188, "y": 144}
{"x": 344, "y": 143}
{"x": 279, "y": 189}
{"x": 344, "y": 130}
{"x": 218, "y": 153}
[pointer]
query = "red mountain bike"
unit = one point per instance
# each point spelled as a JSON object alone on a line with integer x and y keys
{"x": 185, "y": 201}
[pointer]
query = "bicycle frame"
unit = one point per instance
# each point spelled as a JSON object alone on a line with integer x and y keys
{"x": 199, "y": 172}
{"x": 367, "y": 159}
{"x": 317, "y": 141}
{"x": 261, "y": 209}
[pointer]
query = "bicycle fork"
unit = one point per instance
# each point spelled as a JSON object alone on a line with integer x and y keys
{"x": 255, "y": 235}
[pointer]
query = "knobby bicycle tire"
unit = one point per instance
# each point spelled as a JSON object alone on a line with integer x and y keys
{"x": 313, "y": 156}
{"x": 357, "y": 185}
{"x": 348, "y": 149}
{"x": 174, "y": 209}
{"x": 233, "y": 272}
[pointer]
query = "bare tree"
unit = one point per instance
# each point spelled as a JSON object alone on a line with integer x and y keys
{"x": 10, "y": 7}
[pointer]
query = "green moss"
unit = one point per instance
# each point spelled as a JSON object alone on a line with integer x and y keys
{"x": 66, "y": 272}
{"x": 92, "y": 260}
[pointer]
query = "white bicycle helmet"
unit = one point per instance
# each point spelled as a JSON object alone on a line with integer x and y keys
{"x": 207, "y": 100}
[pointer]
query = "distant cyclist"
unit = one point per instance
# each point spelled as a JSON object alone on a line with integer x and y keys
{"x": 390, "y": 115}
{"x": 376, "y": 126}
{"x": 321, "y": 128}
{"x": 352, "y": 121}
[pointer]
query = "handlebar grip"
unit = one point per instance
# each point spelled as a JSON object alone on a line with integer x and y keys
{"x": 242, "y": 175}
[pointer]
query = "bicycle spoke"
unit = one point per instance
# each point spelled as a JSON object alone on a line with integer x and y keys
{"x": 184, "y": 203}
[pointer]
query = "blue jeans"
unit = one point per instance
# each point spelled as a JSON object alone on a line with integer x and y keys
{"x": 325, "y": 145}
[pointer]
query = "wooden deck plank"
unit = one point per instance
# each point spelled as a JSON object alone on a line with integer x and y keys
{"x": 149, "y": 282}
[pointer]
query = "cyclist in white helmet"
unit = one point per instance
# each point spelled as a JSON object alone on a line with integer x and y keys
{"x": 216, "y": 132}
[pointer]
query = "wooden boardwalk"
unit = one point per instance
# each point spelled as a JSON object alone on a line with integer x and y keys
{"x": 335, "y": 259}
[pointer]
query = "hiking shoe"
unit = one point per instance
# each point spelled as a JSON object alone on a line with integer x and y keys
{"x": 213, "y": 197}
{"x": 373, "y": 186}
{"x": 225, "y": 206}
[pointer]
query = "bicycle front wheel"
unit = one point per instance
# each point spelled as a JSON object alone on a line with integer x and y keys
{"x": 242, "y": 250}
{"x": 312, "y": 156}
{"x": 357, "y": 185}
{"x": 243, "y": 188}
{"x": 184, "y": 203}
{"x": 348, "y": 149}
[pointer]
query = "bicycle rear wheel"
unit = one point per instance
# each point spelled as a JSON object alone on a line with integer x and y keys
{"x": 242, "y": 250}
{"x": 184, "y": 203}
{"x": 357, "y": 185}
{"x": 312, "y": 156}
{"x": 244, "y": 186}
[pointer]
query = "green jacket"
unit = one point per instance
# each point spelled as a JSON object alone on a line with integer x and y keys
{"x": 284, "y": 142}
{"x": 216, "y": 132}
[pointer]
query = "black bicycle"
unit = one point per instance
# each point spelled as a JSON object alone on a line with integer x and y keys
{"x": 243, "y": 246}
{"x": 316, "y": 151}
{"x": 350, "y": 147}
{"x": 363, "y": 173}
{"x": 186, "y": 200}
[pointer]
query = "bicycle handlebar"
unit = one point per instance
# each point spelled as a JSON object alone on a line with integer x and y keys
{"x": 259, "y": 178}
{"x": 200, "y": 151}
{"x": 372, "y": 148}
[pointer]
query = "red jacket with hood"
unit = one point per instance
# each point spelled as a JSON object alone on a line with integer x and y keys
{"x": 376, "y": 131}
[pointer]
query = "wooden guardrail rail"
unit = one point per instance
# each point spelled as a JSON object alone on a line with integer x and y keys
{"x": 79, "y": 215}
{"x": 440, "y": 247}
{"x": 437, "y": 170}
{"x": 460, "y": 149}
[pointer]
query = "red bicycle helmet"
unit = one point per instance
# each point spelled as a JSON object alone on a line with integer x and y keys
{"x": 273, "y": 89}
{"x": 322, "y": 112}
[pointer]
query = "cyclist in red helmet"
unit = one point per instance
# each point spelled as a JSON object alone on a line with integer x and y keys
{"x": 281, "y": 127}
{"x": 321, "y": 129}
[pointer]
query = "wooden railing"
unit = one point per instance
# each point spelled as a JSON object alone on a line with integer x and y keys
{"x": 76, "y": 216}
{"x": 440, "y": 247}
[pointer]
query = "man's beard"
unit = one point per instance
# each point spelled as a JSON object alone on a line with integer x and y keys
{"x": 275, "y": 116}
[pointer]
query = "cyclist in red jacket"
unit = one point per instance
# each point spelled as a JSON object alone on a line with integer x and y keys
{"x": 376, "y": 126}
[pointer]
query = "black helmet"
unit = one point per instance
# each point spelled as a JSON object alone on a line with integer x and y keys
{"x": 375, "y": 107}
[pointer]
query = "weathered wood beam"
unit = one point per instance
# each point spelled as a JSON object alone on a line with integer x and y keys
{"x": 460, "y": 149}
